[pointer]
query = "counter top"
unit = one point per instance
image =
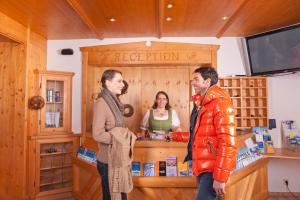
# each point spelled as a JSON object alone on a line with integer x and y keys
{"x": 157, "y": 144}
{"x": 284, "y": 153}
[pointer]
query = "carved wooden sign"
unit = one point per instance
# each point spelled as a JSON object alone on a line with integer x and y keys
{"x": 164, "y": 57}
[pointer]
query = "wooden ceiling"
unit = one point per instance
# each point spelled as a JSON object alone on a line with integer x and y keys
{"x": 76, "y": 19}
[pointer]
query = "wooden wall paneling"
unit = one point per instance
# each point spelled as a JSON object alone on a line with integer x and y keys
{"x": 31, "y": 169}
{"x": 36, "y": 62}
{"x": 12, "y": 133}
{"x": 84, "y": 98}
{"x": 133, "y": 96}
{"x": 6, "y": 115}
{"x": 175, "y": 82}
{"x": 94, "y": 85}
{"x": 20, "y": 124}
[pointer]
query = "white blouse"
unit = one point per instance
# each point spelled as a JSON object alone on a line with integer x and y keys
{"x": 175, "y": 119}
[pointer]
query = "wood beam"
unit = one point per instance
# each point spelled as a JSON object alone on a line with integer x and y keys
{"x": 159, "y": 17}
{"x": 85, "y": 18}
{"x": 232, "y": 19}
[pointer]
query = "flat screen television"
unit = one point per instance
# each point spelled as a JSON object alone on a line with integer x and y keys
{"x": 274, "y": 52}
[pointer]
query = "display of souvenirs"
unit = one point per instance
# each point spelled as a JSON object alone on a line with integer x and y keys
{"x": 183, "y": 169}
{"x": 160, "y": 169}
{"x": 87, "y": 154}
{"x": 263, "y": 140}
{"x": 171, "y": 166}
{"x": 136, "y": 168}
{"x": 245, "y": 157}
{"x": 290, "y": 135}
{"x": 168, "y": 167}
{"x": 149, "y": 169}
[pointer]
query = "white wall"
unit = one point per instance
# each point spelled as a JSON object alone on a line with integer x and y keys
{"x": 280, "y": 169}
{"x": 284, "y": 102}
{"x": 284, "y": 97}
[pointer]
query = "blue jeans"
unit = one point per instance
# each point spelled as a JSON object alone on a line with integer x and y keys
{"x": 205, "y": 187}
{"x": 103, "y": 171}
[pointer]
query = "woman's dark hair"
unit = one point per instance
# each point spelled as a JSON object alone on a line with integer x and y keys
{"x": 108, "y": 74}
{"x": 125, "y": 88}
{"x": 167, "y": 107}
{"x": 208, "y": 72}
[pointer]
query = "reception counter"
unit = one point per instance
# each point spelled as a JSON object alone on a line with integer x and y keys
{"x": 251, "y": 182}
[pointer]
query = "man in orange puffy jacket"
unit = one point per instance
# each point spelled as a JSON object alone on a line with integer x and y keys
{"x": 212, "y": 143}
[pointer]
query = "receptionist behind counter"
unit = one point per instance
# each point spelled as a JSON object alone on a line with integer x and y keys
{"x": 161, "y": 117}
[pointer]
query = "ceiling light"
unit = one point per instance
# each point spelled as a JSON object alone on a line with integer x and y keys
{"x": 168, "y": 19}
{"x": 225, "y": 17}
{"x": 148, "y": 43}
{"x": 112, "y": 19}
{"x": 169, "y": 5}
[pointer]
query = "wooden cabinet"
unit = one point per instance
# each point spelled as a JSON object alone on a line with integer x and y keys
{"x": 56, "y": 89}
{"x": 51, "y": 167}
{"x": 249, "y": 98}
{"x": 52, "y": 149}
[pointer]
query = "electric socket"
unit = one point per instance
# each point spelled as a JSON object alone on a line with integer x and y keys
{"x": 286, "y": 181}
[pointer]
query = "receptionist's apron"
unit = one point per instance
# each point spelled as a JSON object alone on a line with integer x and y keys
{"x": 160, "y": 125}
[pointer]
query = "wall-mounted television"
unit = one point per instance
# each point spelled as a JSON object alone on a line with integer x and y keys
{"x": 275, "y": 51}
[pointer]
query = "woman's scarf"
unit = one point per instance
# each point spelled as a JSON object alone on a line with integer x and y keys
{"x": 115, "y": 106}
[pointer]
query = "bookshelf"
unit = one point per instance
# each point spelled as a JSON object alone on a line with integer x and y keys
{"x": 249, "y": 98}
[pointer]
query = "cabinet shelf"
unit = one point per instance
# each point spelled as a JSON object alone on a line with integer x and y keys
{"x": 249, "y": 87}
{"x": 57, "y": 167}
{"x": 249, "y": 99}
{"x": 48, "y": 102}
{"x": 55, "y": 153}
{"x": 251, "y": 107}
{"x": 227, "y": 87}
{"x": 55, "y": 182}
{"x": 251, "y": 117}
{"x": 253, "y": 97}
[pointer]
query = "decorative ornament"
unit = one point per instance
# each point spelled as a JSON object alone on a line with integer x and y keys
{"x": 36, "y": 102}
{"x": 128, "y": 110}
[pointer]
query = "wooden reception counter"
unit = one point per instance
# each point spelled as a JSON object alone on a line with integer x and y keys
{"x": 251, "y": 182}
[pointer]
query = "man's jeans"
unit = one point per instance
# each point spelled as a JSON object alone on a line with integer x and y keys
{"x": 103, "y": 171}
{"x": 205, "y": 187}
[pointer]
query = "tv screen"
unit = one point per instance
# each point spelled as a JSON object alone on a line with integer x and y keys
{"x": 274, "y": 52}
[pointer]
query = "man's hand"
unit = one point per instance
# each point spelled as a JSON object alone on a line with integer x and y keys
{"x": 140, "y": 135}
{"x": 219, "y": 187}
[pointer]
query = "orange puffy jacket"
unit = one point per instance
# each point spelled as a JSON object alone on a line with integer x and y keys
{"x": 214, "y": 144}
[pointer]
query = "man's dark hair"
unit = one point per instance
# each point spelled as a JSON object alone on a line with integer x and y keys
{"x": 167, "y": 107}
{"x": 208, "y": 72}
{"x": 108, "y": 74}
